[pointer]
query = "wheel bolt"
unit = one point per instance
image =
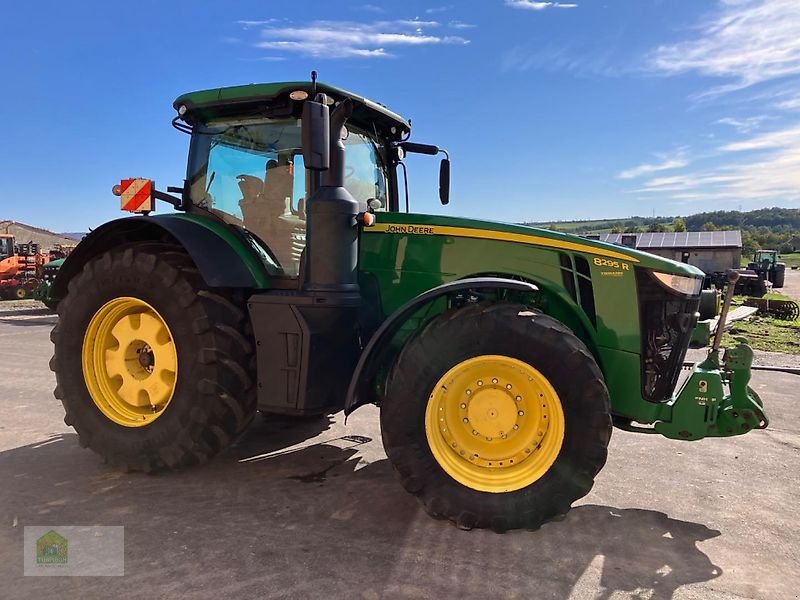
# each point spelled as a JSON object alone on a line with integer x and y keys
{"x": 466, "y": 420}
{"x": 469, "y": 392}
{"x": 474, "y": 432}
{"x": 480, "y": 382}
{"x": 518, "y": 398}
{"x": 494, "y": 380}
{"x": 516, "y": 426}
{"x": 508, "y": 386}
{"x": 521, "y": 413}
{"x": 463, "y": 405}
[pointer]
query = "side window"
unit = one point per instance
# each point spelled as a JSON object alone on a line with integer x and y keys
{"x": 251, "y": 180}
{"x": 365, "y": 177}
{"x": 252, "y": 174}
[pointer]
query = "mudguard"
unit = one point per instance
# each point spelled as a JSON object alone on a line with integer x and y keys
{"x": 371, "y": 357}
{"x": 223, "y": 255}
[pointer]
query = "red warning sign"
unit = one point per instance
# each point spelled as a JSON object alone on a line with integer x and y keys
{"x": 136, "y": 195}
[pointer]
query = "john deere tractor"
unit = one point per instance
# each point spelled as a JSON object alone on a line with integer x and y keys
{"x": 290, "y": 279}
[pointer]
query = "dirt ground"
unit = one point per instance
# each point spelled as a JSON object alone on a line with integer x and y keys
{"x": 313, "y": 510}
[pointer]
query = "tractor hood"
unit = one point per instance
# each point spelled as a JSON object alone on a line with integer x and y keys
{"x": 523, "y": 234}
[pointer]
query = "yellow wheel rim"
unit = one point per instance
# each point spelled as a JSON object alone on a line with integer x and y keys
{"x": 129, "y": 361}
{"x": 494, "y": 423}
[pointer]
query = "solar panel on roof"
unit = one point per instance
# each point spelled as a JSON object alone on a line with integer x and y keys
{"x": 688, "y": 239}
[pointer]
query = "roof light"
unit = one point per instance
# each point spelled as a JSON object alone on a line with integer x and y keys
{"x": 182, "y": 109}
{"x": 298, "y": 95}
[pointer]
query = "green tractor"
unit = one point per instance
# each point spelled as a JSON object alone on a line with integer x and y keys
{"x": 765, "y": 264}
{"x": 290, "y": 280}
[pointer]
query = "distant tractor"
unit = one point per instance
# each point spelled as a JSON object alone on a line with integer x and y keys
{"x": 765, "y": 263}
{"x": 290, "y": 280}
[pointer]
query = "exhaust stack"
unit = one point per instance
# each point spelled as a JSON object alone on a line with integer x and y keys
{"x": 331, "y": 211}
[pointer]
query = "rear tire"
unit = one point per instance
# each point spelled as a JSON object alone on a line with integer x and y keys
{"x": 213, "y": 396}
{"x": 493, "y": 494}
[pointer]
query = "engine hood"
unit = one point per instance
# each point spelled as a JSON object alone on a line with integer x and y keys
{"x": 523, "y": 234}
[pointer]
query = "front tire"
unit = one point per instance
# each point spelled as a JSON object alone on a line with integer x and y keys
{"x": 496, "y": 417}
{"x": 150, "y": 364}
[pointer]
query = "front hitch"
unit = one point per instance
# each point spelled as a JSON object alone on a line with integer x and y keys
{"x": 701, "y": 408}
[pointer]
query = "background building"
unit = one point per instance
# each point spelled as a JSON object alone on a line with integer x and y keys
{"x": 711, "y": 251}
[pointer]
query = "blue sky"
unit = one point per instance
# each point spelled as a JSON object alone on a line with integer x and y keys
{"x": 550, "y": 110}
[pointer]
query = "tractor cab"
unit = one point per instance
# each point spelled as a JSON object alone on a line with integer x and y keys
{"x": 765, "y": 258}
{"x": 246, "y": 161}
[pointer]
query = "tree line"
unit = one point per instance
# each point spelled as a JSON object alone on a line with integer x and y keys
{"x": 770, "y": 228}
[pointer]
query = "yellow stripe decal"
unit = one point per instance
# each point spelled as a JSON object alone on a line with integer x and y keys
{"x": 520, "y": 238}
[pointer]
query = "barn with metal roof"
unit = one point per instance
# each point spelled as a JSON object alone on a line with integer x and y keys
{"x": 711, "y": 251}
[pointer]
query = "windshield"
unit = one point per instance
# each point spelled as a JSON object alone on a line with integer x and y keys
{"x": 251, "y": 173}
{"x": 5, "y": 246}
{"x": 765, "y": 256}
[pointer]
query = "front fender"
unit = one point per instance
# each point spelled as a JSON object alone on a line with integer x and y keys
{"x": 222, "y": 254}
{"x": 371, "y": 358}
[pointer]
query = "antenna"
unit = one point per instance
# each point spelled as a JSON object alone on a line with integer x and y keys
{"x": 313, "y": 84}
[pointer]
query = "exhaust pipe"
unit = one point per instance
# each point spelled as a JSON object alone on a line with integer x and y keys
{"x": 331, "y": 254}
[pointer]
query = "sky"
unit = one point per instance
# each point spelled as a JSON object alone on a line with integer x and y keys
{"x": 549, "y": 110}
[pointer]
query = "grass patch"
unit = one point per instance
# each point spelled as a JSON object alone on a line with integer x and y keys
{"x": 791, "y": 260}
{"x": 766, "y": 333}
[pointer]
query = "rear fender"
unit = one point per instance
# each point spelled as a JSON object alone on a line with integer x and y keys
{"x": 362, "y": 382}
{"x": 225, "y": 256}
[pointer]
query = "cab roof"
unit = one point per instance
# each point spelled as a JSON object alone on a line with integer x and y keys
{"x": 206, "y": 104}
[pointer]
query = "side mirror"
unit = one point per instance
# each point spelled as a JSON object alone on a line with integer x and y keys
{"x": 444, "y": 181}
{"x": 316, "y": 134}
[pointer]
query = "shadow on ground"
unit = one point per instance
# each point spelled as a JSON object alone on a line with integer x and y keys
{"x": 267, "y": 520}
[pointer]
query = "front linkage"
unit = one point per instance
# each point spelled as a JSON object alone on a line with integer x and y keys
{"x": 702, "y": 409}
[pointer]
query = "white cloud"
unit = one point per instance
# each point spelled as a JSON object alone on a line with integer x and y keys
{"x": 439, "y": 9}
{"x": 782, "y": 138}
{"x": 744, "y": 125}
{"x": 536, "y": 5}
{"x": 790, "y": 104}
{"x": 250, "y": 24}
{"x": 347, "y": 39}
{"x": 750, "y": 46}
{"x": 676, "y": 160}
{"x": 748, "y": 42}
{"x": 372, "y": 8}
{"x": 763, "y": 169}
{"x": 460, "y": 25}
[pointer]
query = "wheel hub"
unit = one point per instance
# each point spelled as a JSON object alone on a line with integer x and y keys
{"x": 494, "y": 423}
{"x": 491, "y": 413}
{"x": 129, "y": 362}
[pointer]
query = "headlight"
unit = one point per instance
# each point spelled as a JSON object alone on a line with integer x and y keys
{"x": 689, "y": 286}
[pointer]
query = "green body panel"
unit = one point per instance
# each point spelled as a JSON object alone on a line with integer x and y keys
{"x": 248, "y": 254}
{"x": 407, "y": 254}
